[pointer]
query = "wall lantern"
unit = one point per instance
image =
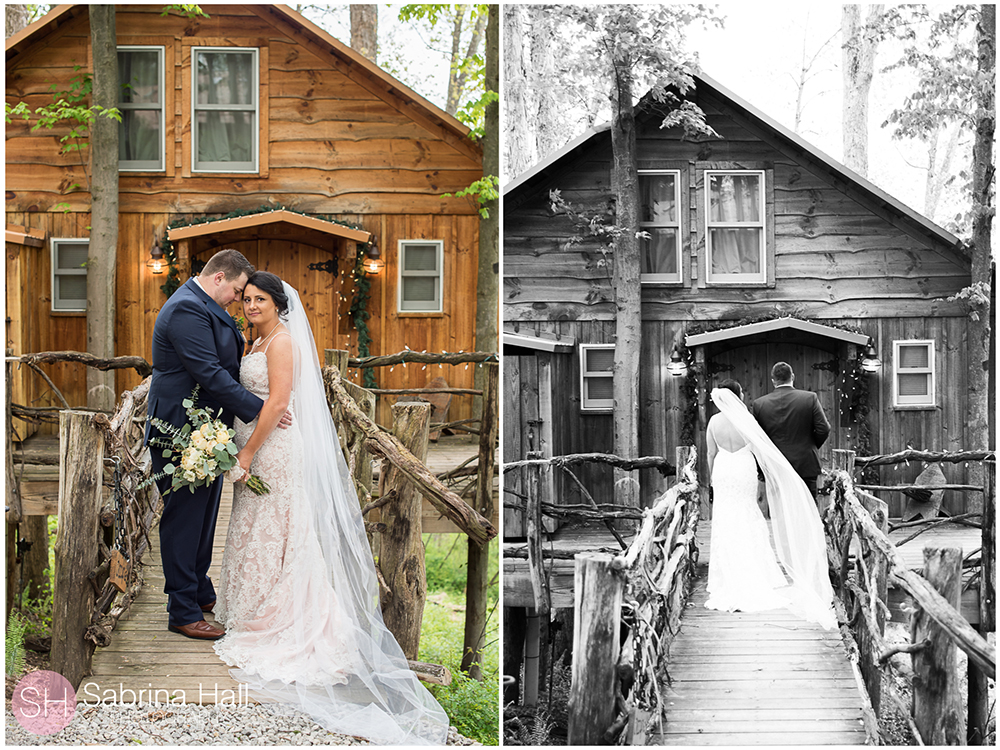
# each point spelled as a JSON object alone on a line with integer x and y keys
{"x": 677, "y": 366}
{"x": 373, "y": 263}
{"x": 869, "y": 360}
{"x": 156, "y": 262}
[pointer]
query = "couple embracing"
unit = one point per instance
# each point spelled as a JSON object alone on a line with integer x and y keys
{"x": 781, "y": 434}
{"x": 298, "y": 594}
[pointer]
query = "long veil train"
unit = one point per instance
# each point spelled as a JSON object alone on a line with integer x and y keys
{"x": 798, "y": 531}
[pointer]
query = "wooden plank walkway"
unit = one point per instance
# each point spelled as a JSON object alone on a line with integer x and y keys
{"x": 145, "y": 656}
{"x": 762, "y": 678}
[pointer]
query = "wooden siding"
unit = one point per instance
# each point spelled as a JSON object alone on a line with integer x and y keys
{"x": 333, "y": 145}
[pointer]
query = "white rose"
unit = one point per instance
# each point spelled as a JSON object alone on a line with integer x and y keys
{"x": 189, "y": 476}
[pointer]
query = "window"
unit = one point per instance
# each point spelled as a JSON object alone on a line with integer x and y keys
{"x": 225, "y": 106}
{"x": 69, "y": 275}
{"x": 659, "y": 216}
{"x": 913, "y": 378}
{"x": 141, "y": 130}
{"x": 735, "y": 227}
{"x": 597, "y": 363}
{"x": 421, "y": 271}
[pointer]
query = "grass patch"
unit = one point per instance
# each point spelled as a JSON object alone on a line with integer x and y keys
{"x": 472, "y": 706}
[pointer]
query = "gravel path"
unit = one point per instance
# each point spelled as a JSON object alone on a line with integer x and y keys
{"x": 192, "y": 724}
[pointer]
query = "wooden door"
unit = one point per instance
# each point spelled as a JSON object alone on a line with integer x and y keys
{"x": 751, "y": 366}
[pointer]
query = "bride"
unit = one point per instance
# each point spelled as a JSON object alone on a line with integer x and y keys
{"x": 743, "y": 571}
{"x": 298, "y": 594}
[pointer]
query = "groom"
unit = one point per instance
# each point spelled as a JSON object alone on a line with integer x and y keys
{"x": 795, "y": 422}
{"x": 195, "y": 341}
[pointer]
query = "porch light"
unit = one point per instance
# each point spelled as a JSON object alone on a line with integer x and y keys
{"x": 677, "y": 366}
{"x": 870, "y": 361}
{"x": 156, "y": 263}
{"x": 373, "y": 263}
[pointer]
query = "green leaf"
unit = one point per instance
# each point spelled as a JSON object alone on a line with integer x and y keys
{"x": 187, "y": 403}
{"x": 169, "y": 469}
{"x": 231, "y": 447}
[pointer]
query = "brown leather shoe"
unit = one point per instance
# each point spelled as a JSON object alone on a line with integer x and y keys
{"x": 201, "y": 630}
{"x": 208, "y": 607}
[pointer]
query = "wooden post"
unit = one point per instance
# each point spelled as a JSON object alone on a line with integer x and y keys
{"x": 514, "y": 632}
{"x": 937, "y": 700}
{"x": 402, "y": 557}
{"x": 81, "y": 464}
{"x": 979, "y": 698}
{"x": 532, "y": 647}
{"x": 533, "y": 524}
{"x": 477, "y": 580}
{"x": 597, "y": 617}
{"x": 12, "y": 497}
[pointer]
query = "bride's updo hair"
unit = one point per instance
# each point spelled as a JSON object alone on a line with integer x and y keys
{"x": 268, "y": 282}
{"x": 730, "y": 384}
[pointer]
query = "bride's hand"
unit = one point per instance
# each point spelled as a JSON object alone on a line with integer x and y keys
{"x": 244, "y": 459}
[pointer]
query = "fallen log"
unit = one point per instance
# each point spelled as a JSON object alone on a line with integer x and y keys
{"x": 436, "y": 674}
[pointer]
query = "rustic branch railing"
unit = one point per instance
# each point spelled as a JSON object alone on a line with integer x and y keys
{"x": 615, "y": 694}
{"x": 427, "y": 358}
{"x": 857, "y": 521}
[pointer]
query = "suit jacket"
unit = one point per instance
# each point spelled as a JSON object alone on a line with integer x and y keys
{"x": 795, "y": 422}
{"x": 196, "y": 341}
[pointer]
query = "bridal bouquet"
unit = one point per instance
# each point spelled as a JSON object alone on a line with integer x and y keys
{"x": 204, "y": 448}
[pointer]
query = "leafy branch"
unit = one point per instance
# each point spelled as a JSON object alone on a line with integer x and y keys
{"x": 485, "y": 190}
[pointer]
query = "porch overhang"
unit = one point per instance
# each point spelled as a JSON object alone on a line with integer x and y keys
{"x": 270, "y": 225}
{"x": 539, "y": 343}
{"x": 23, "y": 236}
{"x": 778, "y": 326}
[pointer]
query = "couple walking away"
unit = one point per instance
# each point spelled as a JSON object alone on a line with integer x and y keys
{"x": 298, "y": 594}
{"x": 782, "y": 435}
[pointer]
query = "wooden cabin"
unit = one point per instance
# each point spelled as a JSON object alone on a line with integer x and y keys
{"x": 225, "y": 118}
{"x": 761, "y": 249}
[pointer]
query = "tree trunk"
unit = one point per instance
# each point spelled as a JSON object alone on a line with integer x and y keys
{"x": 978, "y": 434}
{"x": 549, "y": 134}
{"x": 81, "y": 452}
{"x": 104, "y": 208}
{"x": 628, "y": 318}
{"x": 477, "y": 584}
{"x": 521, "y": 130}
{"x": 364, "y": 30}
{"x": 18, "y": 16}
{"x": 859, "y": 47}
{"x": 402, "y": 558}
{"x": 488, "y": 277}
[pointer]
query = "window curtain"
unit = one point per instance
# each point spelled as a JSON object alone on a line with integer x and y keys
{"x": 657, "y": 206}
{"x": 139, "y": 132}
{"x": 225, "y": 135}
{"x": 735, "y": 199}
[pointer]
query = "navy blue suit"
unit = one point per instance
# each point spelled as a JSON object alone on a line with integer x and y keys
{"x": 194, "y": 341}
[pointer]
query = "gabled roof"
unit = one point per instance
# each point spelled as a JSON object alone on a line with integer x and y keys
{"x": 785, "y": 139}
{"x": 355, "y": 65}
{"x": 280, "y": 224}
{"x": 778, "y": 324}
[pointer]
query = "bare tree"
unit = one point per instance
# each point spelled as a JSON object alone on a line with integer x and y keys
{"x": 459, "y": 77}
{"x": 519, "y": 135}
{"x": 860, "y": 43}
{"x": 364, "y": 30}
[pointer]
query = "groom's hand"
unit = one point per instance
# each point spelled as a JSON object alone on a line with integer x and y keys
{"x": 286, "y": 420}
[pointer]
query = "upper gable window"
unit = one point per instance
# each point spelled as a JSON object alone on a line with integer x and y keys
{"x": 141, "y": 102}
{"x": 226, "y": 109}
{"x": 735, "y": 226}
{"x": 659, "y": 217}
{"x": 913, "y": 379}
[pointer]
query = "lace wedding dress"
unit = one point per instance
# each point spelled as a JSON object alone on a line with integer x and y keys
{"x": 743, "y": 573}
{"x": 298, "y": 592}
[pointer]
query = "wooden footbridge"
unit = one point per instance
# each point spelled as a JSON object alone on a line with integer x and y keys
{"x": 676, "y": 673}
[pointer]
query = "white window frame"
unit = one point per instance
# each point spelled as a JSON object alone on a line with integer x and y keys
{"x": 136, "y": 165}
{"x": 58, "y": 305}
{"x": 252, "y": 167}
{"x": 665, "y": 278}
{"x": 736, "y": 278}
{"x": 437, "y": 273}
{"x": 594, "y": 404}
{"x": 926, "y": 401}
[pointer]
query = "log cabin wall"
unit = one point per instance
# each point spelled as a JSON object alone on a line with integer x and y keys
{"x": 836, "y": 260}
{"x": 333, "y": 145}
